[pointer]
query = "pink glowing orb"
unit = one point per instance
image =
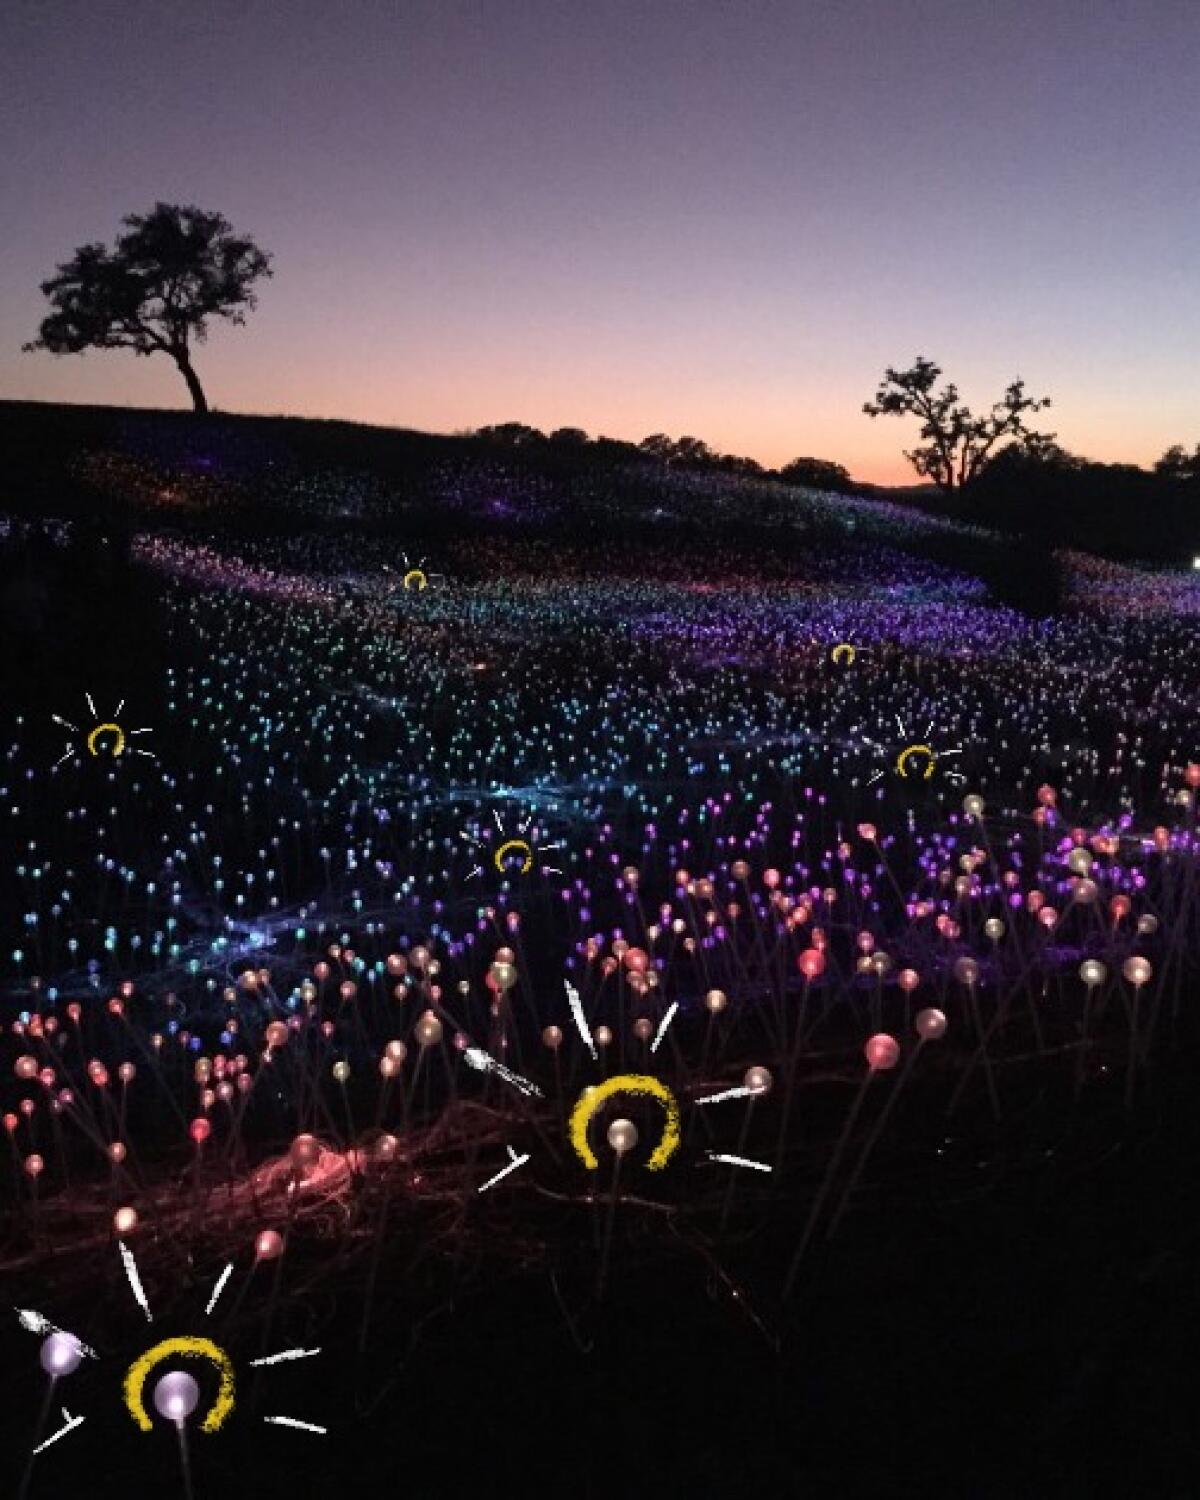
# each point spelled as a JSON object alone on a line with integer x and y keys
{"x": 882, "y": 1052}
{"x": 811, "y": 963}
{"x": 268, "y": 1245}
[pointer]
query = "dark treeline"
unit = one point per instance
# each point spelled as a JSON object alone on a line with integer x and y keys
{"x": 1118, "y": 510}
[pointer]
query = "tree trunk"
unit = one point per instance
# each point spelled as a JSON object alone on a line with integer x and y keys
{"x": 199, "y": 401}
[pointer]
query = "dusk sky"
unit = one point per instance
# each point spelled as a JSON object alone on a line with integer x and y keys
{"x": 721, "y": 219}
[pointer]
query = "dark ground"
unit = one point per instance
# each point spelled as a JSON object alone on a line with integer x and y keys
{"x": 1003, "y": 1322}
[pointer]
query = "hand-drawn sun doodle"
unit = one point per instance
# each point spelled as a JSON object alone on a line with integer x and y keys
{"x": 175, "y": 1393}
{"x": 514, "y": 854}
{"x": 105, "y": 738}
{"x": 913, "y": 759}
{"x": 413, "y": 577}
{"x": 622, "y": 1135}
{"x": 844, "y": 654}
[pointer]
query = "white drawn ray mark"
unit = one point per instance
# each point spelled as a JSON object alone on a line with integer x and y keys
{"x": 219, "y": 1288}
{"x": 738, "y": 1161}
{"x": 135, "y": 1281}
{"x": 295, "y": 1422}
{"x": 741, "y": 1092}
{"x": 663, "y": 1024}
{"x": 72, "y": 1423}
{"x": 284, "y": 1354}
{"x": 35, "y": 1322}
{"x": 484, "y": 1062}
{"x": 581, "y": 1024}
{"x": 517, "y": 1161}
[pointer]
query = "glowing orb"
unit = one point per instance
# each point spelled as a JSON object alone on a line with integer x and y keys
{"x": 625, "y": 1083}
{"x": 916, "y": 750}
{"x": 514, "y": 845}
{"x": 187, "y": 1347}
{"x": 103, "y": 728}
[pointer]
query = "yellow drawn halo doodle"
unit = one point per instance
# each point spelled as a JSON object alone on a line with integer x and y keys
{"x": 99, "y": 729}
{"x": 916, "y": 750}
{"x": 415, "y": 578}
{"x": 189, "y": 1347}
{"x": 843, "y": 651}
{"x": 527, "y": 861}
{"x": 625, "y": 1083}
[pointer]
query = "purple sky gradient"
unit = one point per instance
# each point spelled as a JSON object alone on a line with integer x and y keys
{"x": 716, "y": 218}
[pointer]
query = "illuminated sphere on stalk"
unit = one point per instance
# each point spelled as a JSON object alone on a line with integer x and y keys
{"x": 429, "y": 1030}
{"x": 622, "y": 1136}
{"x": 994, "y": 928}
{"x": 305, "y": 1151}
{"x": 25, "y": 1067}
{"x": 930, "y": 1024}
{"x": 973, "y": 806}
{"x": 277, "y": 1034}
{"x": 966, "y": 971}
{"x": 552, "y": 1037}
{"x": 1137, "y": 971}
{"x": 716, "y": 1001}
{"x": 643, "y": 1029}
{"x": 882, "y": 1052}
{"x": 61, "y": 1354}
{"x": 757, "y": 1080}
{"x": 268, "y": 1245}
{"x": 503, "y": 975}
{"x": 125, "y": 1220}
{"x": 908, "y": 980}
{"x": 176, "y": 1396}
{"x": 341, "y": 1071}
{"x": 1080, "y": 862}
{"x": 1092, "y": 972}
{"x": 811, "y": 963}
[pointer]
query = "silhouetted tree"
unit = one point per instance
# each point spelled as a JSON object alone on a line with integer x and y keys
{"x": 733, "y": 463}
{"x": 515, "y": 434}
{"x": 657, "y": 445}
{"x": 155, "y": 290}
{"x": 569, "y": 437}
{"x": 684, "y": 452}
{"x": 1178, "y": 463}
{"x": 817, "y": 474}
{"x": 692, "y": 452}
{"x": 957, "y": 444}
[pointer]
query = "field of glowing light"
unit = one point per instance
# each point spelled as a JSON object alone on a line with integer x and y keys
{"x": 404, "y": 786}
